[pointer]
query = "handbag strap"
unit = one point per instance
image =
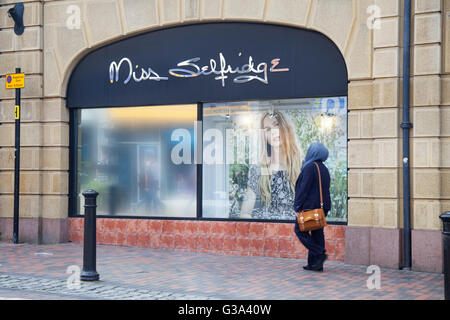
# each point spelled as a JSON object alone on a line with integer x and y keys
{"x": 320, "y": 185}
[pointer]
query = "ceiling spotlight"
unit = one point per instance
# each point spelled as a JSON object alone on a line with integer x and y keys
{"x": 228, "y": 114}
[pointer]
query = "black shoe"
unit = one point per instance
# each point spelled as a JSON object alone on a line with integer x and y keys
{"x": 320, "y": 260}
{"x": 311, "y": 261}
{"x": 312, "y": 268}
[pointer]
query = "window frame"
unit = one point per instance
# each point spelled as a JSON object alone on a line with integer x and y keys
{"x": 74, "y": 118}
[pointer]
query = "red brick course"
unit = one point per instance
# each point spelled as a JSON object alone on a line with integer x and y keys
{"x": 236, "y": 238}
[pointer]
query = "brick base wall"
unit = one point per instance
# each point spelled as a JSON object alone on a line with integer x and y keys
{"x": 236, "y": 238}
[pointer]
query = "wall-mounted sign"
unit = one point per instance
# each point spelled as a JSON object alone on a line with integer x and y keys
{"x": 15, "y": 81}
{"x": 208, "y": 62}
{"x": 191, "y": 68}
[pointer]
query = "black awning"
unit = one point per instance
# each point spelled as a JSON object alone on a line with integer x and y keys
{"x": 209, "y": 62}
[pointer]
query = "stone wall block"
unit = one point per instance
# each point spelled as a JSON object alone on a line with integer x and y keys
{"x": 428, "y": 28}
{"x": 190, "y": 9}
{"x": 426, "y": 91}
{"x": 52, "y": 83}
{"x": 211, "y": 9}
{"x": 427, "y": 59}
{"x": 385, "y": 153}
{"x": 55, "y": 158}
{"x": 367, "y": 183}
{"x": 445, "y": 152}
{"x": 7, "y": 158}
{"x": 445, "y": 121}
{"x": 360, "y": 154}
{"x": 29, "y": 182}
{"x": 360, "y": 212}
{"x": 447, "y": 41}
{"x": 360, "y": 124}
{"x": 426, "y": 122}
{"x": 30, "y": 207}
{"x": 140, "y": 14}
{"x": 385, "y": 123}
{"x": 385, "y": 213}
{"x": 334, "y": 18}
{"x": 31, "y": 39}
{"x": 422, "y": 6}
{"x": 30, "y": 134}
{"x": 289, "y": 11}
{"x": 170, "y": 11}
{"x": 445, "y": 90}
{"x": 354, "y": 183}
{"x": 28, "y": 61}
{"x": 426, "y": 183}
{"x": 6, "y": 204}
{"x": 102, "y": 20}
{"x": 55, "y": 182}
{"x": 54, "y": 206}
{"x": 55, "y": 110}
{"x": 7, "y": 135}
{"x": 243, "y": 9}
{"x": 386, "y": 93}
{"x": 445, "y": 183}
{"x": 388, "y": 35}
{"x": 6, "y": 40}
{"x": 56, "y": 134}
{"x": 426, "y": 214}
{"x": 359, "y": 54}
{"x": 426, "y": 153}
{"x": 389, "y": 8}
{"x": 360, "y": 95}
{"x": 354, "y": 125}
{"x": 386, "y": 63}
{"x": 385, "y": 183}
{"x": 6, "y": 182}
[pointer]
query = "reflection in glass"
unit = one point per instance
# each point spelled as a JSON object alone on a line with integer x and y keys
{"x": 262, "y": 145}
{"x": 125, "y": 155}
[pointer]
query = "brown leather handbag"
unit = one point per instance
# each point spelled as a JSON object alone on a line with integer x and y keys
{"x": 314, "y": 219}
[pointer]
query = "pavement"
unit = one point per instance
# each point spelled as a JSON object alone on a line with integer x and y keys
{"x": 50, "y": 272}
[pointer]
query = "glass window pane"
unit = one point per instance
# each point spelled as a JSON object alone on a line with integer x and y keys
{"x": 127, "y": 155}
{"x": 253, "y": 151}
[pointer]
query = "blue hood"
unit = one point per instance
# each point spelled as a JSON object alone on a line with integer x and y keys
{"x": 316, "y": 151}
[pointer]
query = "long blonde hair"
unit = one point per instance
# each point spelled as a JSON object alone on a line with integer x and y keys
{"x": 289, "y": 149}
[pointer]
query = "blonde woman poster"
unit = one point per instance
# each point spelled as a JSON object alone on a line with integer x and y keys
{"x": 273, "y": 179}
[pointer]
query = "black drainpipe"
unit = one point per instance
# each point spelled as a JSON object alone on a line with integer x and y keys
{"x": 406, "y": 126}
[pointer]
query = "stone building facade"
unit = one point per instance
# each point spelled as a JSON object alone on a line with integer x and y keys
{"x": 49, "y": 50}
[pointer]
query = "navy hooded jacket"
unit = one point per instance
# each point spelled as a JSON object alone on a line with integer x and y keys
{"x": 307, "y": 195}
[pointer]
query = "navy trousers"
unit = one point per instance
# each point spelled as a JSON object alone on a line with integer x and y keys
{"x": 314, "y": 241}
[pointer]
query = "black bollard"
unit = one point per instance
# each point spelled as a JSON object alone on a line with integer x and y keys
{"x": 445, "y": 217}
{"x": 89, "y": 272}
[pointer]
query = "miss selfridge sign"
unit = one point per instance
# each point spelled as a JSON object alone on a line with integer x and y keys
{"x": 211, "y": 62}
{"x": 191, "y": 68}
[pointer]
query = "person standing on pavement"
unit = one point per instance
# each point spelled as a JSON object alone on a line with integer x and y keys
{"x": 307, "y": 196}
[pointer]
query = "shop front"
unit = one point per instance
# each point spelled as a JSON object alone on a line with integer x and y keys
{"x": 194, "y": 137}
{"x": 191, "y": 117}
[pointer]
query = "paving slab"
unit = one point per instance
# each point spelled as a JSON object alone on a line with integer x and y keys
{"x": 143, "y": 273}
